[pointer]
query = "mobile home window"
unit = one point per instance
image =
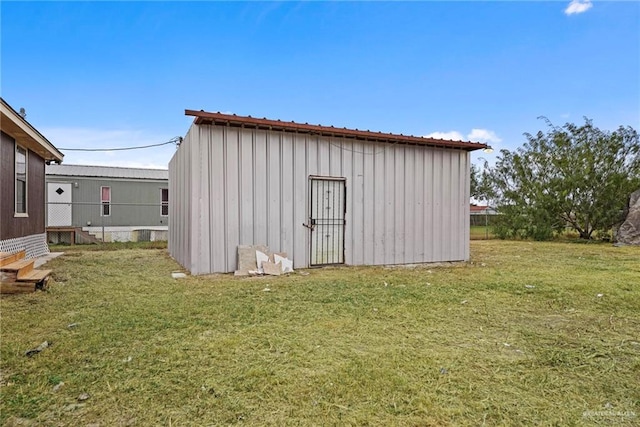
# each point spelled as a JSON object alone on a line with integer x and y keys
{"x": 165, "y": 202}
{"x": 105, "y": 199}
{"x": 21, "y": 180}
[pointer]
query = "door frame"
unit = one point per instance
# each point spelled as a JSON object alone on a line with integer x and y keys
{"x": 312, "y": 224}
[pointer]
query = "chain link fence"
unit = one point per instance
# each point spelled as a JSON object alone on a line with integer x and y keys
{"x": 482, "y": 224}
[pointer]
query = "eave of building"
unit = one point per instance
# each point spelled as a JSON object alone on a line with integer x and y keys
{"x": 207, "y": 118}
{"x": 26, "y": 135}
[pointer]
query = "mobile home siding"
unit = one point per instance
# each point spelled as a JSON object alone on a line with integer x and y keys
{"x": 133, "y": 202}
{"x": 235, "y": 186}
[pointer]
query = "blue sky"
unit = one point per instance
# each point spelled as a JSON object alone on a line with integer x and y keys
{"x": 117, "y": 74}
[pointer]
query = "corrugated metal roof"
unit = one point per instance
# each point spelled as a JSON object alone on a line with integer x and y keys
{"x": 203, "y": 117}
{"x": 107, "y": 172}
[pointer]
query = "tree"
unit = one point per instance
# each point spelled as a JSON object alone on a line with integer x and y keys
{"x": 570, "y": 176}
{"x": 480, "y": 188}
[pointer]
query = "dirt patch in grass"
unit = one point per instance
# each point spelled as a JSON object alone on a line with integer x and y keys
{"x": 524, "y": 334}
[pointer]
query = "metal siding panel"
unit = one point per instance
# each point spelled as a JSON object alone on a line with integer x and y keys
{"x": 323, "y": 168}
{"x": 247, "y": 193}
{"x": 409, "y": 224}
{"x": 368, "y": 201}
{"x": 457, "y": 197}
{"x": 390, "y": 207}
{"x": 346, "y": 170}
{"x": 450, "y": 196}
{"x": 438, "y": 208}
{"x": 217, "y": 184}
{"x": 399, "y": 203}
{"x": 300, "y": 208}
{"x": 355, "y": 198}
{"x": 273, "y": 182}
{"x": 201, "y": 255}
{"x": 335, "y": 156}
{"x": 287, "y": 223}
{"x": 186, "y": 199}
{"x": 180, "y": 202}
{"x": 260, "y": 185}
{"x": 429, "y": 234}
{"x": 378, "y": 205}
{"x": 232, "y": 200}
{"x": 419, "y": 207}
{"x": 466, "y": 194}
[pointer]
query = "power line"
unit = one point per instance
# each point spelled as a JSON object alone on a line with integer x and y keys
{"x": 176, "y": 140}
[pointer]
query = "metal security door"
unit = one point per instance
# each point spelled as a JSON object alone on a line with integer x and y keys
{"x": 328, "y": 208}
{"x": 59, "y": 204}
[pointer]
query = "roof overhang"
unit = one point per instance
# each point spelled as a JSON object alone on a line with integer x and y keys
{"x": 220, "y": 119}
{"x": 26, "y": 135}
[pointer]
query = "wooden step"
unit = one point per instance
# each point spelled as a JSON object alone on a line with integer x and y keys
{"x": 8, "y": 258}
{"x": 35, "y": 276}
{"x": 17, "y": 287}
{"x": 21, "y": 267}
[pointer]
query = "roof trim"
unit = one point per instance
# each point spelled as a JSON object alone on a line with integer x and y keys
{"x": 206, "y": 118}
{"x": 8, "y": 113}
{"x": 110, "y": 172}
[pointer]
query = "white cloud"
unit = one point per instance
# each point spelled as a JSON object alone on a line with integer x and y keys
{"x": 484, "y": 135}
{"x": 452, "y": 135}
{"x": 86, "y": 138}
{"x": 476, "y": 135}
{"x": 578, "y": 6}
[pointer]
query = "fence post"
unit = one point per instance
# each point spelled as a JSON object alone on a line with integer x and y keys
{"x": 486, "y": 224}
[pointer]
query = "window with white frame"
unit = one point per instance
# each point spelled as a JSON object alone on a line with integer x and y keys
{"x": 105, "y": 201}
{"x": 21, "y": 180}
{"x": 164, "y": 209}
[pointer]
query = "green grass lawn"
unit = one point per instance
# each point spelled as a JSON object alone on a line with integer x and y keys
{"x": 527, "y": 333}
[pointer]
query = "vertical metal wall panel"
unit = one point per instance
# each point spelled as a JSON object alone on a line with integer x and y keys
{"x": 287, "y": 203}
{"x": 377, "y": 205}
{"x": 355, "y": 247}
{"x": 180, "y": 203}
{"x": 368, "y": 180}
{"x": 389, "y": 183}
{"x": 232, "y": 196}
{"x": 218, "y": 187}
{"x": 418, "y": 211}
{"x": 399, "y": 205}
{"x": 202, "y": 233}
{"x": 299, "y": 178}
{"x": 445, "y": 202}
{"x": 436, "y": 219}
{"x": 273, "y": 190}
{"x": 409, "y": 202}
{"x": 405, "y": 204}
{"x": 260, "y": 213}
{"x": 246, "y": 187}
{"x": 343, "y": 156}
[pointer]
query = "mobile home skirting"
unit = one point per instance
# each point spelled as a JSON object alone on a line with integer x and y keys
{"x": 233, "y": 186}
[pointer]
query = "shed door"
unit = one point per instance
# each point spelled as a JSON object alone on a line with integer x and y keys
{"x": 328, "y": 208}
{"x": 59, "y": 204}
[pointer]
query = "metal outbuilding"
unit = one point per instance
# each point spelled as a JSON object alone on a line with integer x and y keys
{"x": 321, "y": 194}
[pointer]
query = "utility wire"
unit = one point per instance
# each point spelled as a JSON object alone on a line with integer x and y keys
{"x": 176, "y": 140}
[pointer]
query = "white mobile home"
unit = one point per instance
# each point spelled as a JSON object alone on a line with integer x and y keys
{"x": 110, "y": 203}
{"x": 321, "y": 194}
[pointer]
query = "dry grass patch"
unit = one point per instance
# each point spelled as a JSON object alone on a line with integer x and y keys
{"x": 518, "y": 336}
